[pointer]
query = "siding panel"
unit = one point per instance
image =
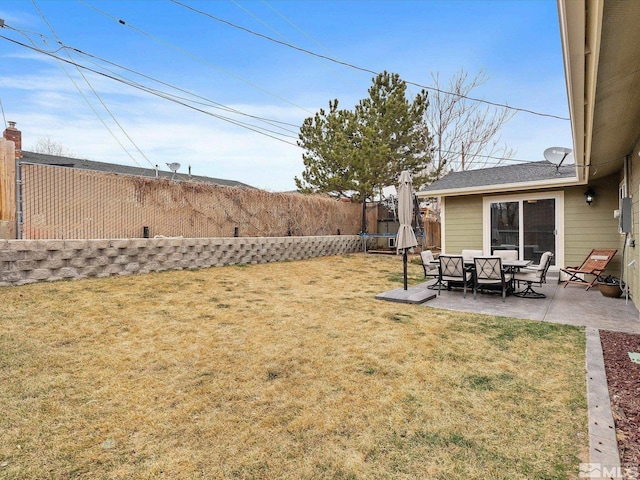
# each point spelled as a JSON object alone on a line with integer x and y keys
{"x": 592, "y": 226}
{"x": 463, "y": 223}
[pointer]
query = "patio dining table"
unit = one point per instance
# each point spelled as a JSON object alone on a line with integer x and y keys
{"x": 511, "y": 264}
{"x": 514, "y": 265}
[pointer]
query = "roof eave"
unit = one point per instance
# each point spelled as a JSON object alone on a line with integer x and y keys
{"x": 580, "y": 29}
{"x": 516, "y": 186}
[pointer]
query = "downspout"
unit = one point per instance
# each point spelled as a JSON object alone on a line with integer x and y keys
{"x": 623, "y": 264}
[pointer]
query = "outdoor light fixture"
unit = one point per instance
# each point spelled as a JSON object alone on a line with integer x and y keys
{"x": 589, "y": 196}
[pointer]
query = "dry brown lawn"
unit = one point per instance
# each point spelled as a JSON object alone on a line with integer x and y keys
{"x": 286, "y": 370}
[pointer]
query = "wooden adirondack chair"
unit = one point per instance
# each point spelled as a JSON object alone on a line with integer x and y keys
{"x": 594, "y": 264}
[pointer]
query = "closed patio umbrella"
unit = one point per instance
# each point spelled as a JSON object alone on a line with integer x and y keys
{"x": 406, "y": 238}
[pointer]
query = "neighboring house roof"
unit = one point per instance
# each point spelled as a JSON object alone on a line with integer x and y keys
{"x": 43, "y": 159}
{"x": 509, "y": 177}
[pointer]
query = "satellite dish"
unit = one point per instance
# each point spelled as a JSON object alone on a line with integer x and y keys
{"x": 559, "y": 155}
{"x": 173, "y": 166}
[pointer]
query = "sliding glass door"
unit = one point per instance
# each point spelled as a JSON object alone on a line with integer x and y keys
{"x": 528, "y": 225}
{"x": 539, "y": 228}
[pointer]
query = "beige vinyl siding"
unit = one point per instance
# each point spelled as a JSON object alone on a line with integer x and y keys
{"x": 592, "y": 226}
{"x": 462, "y": 223}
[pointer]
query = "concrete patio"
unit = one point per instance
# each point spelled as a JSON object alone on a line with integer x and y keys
{"x": 571, "y": 306}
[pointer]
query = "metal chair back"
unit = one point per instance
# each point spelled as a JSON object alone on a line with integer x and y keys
{"x": 452, "y": 271}
{"x": 489, "y": 268}
{"x": 452, "y": 266}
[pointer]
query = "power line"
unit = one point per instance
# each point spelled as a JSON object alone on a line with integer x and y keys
{"x": 356, "y": 67}
{"x": 255, "y": 129}
{"x": 179, "y": 100}
{"x": 241, "y": 124}
{"x": 97, "y": 96}
{"x": 192, "y": 56}
{"x": 207, "y": 101}
{"x": 4, "y": 119}
{"x": 260, "y": 130}
{"x": 332, "y": 70}
{"x": 78, "y": 89}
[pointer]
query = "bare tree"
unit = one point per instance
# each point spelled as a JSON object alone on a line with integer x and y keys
{"x": 49, "y": 147}
{"x": 465, "y": 132}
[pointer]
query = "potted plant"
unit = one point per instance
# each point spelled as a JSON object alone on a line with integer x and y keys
{"x": 611, "y": 286}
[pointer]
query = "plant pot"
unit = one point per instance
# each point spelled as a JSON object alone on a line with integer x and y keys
{"x": 610, "y": 290}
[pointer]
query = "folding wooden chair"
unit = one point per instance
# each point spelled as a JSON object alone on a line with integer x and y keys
{"x": 594, "y": 264}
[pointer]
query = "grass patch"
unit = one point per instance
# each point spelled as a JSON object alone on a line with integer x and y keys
{"x": 281, "y": 370}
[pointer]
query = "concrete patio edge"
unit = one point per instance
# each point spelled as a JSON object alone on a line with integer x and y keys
{"x": 603, "y": 445}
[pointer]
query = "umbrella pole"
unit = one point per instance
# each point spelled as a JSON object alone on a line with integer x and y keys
{"x": 404, "y": 263}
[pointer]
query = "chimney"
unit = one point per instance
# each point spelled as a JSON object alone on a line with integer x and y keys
{"x": 14, "y": 135}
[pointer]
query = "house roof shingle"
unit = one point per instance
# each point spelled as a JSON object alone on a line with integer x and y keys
{"x": 503, "y": 175}
{"x": 44, "y": 159}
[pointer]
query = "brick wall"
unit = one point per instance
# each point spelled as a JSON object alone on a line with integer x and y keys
{"x": 28, "y": 261}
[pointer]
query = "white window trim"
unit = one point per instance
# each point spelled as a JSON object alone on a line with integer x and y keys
{"x": 558, "y": 196}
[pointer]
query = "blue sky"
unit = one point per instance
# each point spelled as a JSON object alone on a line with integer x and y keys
{"x": 516, "y": 42}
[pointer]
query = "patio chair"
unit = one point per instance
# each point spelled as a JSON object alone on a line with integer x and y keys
{"x": 506, "y": 255}
{"x": 453, "y": 271}
{"x": 431, "y": 268}
{"x": 534, "y": 274}
{"x": 595, "y": 263}
{"x": 489, "y": 272}
{"x": 469, "y": 255}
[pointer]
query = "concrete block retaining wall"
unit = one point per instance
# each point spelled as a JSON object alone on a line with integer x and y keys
{"x": 28, "y": 261}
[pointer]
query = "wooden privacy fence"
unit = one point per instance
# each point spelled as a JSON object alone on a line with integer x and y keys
{"x": 65, "y": 203}
{"x": 7, "y": 189}
{"x": 431, "y": 234}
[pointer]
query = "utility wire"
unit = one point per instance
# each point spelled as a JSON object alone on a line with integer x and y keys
{"x": 167, "y": 97}
{"x": 356, "y": 67}
{"x": 206, "y": 101}
{"x": 173, "y": 99}
{"x": 192, "y": 56}
{"x": 44, "y": 19}
{"x": 332, "y": 70}
{"x": 177, "y": 100}
{"x": 251, "y": 14}
{"x": 74, "y": 84}
{"x": 247, "y": 126}
{"x": 4, "y": 119}
{"x": 240, "y": 124}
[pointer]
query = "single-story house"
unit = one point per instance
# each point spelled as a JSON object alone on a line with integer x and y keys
{"x": 536, "y": 206}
